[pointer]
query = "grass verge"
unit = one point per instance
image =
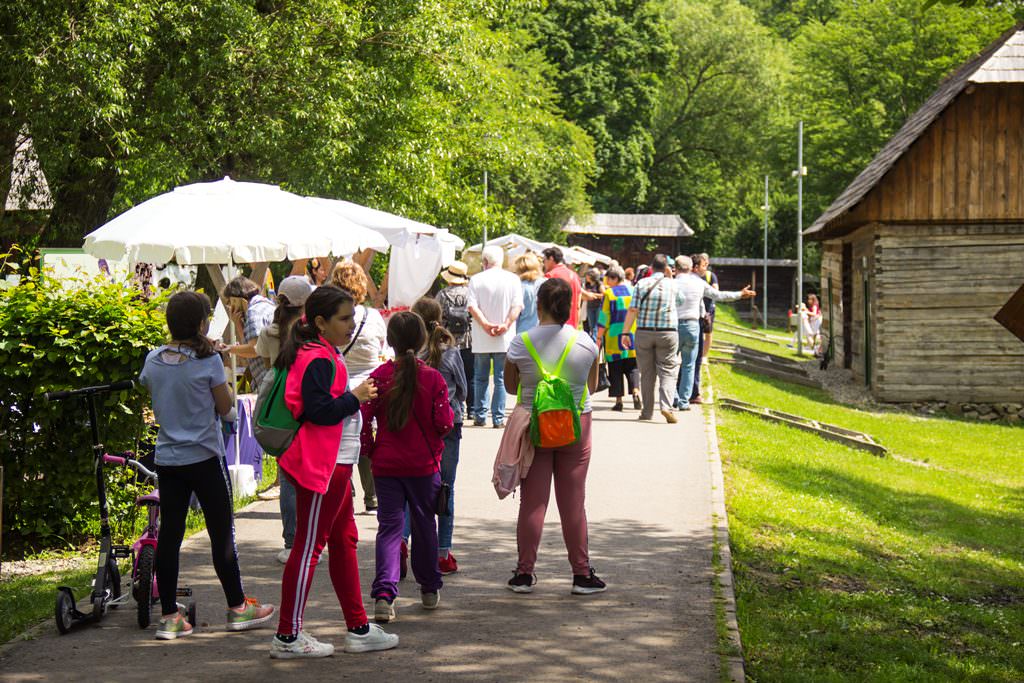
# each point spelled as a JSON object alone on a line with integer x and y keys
{"x": 850, "y": 567}
{"x": 28, "y": 600}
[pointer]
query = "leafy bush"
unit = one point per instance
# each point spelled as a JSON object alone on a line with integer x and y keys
{"x": 53, "y": 337}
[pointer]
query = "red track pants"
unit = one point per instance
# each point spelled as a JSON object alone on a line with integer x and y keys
{"x": 323, "y": 520}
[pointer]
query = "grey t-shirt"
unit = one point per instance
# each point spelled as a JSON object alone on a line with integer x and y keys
{"x": 550, "y": 341}
{"x": 181, "y": 386}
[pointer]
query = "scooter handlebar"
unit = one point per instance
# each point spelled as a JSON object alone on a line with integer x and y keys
{"x": 114, "y": 460}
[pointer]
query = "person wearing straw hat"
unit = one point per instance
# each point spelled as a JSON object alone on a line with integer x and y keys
{"x": 454, "y": 300}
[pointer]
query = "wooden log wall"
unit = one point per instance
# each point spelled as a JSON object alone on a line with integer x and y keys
{"x": 968, "y": 165}
{"x": 864, "y": 246}
{"x": 832, "y": 319}
{"x": 937, "y": 289}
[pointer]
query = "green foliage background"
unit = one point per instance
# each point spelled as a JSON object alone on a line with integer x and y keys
{"x": 54, "y": 338}
{"x": 678, "y": 106}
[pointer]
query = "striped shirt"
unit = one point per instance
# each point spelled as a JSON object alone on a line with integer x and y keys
{"x": 612, "y": 318}
{"x": 655, "y": 299}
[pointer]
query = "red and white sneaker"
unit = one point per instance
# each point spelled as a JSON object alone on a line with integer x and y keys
{"x": 448, "y": 565}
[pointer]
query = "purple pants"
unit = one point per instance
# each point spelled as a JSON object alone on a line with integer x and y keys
{"x": 393, "y": 494}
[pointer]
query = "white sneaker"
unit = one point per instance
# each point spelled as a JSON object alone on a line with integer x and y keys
{"x": 303, "y": 646}
{"x": 375, "y": 639}
{"x": 282, "y": 556}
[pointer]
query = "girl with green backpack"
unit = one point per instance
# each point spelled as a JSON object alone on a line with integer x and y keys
{"x": 553, "y": 367}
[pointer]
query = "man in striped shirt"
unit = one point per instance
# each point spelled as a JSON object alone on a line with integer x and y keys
{"x": 654, "y": 308}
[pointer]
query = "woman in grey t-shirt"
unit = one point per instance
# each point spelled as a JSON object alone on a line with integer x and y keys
{"x": 567, "y": 466}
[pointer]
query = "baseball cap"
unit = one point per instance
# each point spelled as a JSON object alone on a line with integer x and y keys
{"x": 295, "y": 288}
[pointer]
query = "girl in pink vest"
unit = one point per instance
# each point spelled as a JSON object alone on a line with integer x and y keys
{"x": 319, "y": 464}
{"x": 413, "y": 415}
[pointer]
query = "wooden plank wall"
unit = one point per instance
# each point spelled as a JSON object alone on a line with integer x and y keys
{"x": 937, "y": 289}
{"x": 968, "y": 165}
{"x": 863, "y": 268}
{"x": 832, "y": 270}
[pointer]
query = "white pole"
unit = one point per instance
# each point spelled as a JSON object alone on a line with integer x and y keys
{"x": 234, "y": 372}
{"x": 800, "y": 173}
{"x": 764, "y": 279}
{"x": 485, "y": 212}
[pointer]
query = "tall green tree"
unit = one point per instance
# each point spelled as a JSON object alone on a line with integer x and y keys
{"x": 860, "y": 76}
{"x": 608, "y": 57}
{"x": 383, "y": 103}
{"x": 717, "y": 108}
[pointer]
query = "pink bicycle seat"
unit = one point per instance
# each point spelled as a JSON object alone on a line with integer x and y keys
{"x": 148, "y": 499}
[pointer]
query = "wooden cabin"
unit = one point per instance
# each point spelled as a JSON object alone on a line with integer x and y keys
{"x": 737, "y": 273}
{"x": 630, "y": 239}
{"x": 927, "y": 243}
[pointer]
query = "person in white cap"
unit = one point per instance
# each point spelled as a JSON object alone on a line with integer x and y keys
{"x": 292, "y": 293}
{"x": 455, "y": 318}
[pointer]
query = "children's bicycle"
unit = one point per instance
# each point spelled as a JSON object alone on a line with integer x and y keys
{"x": 106, "y": 585}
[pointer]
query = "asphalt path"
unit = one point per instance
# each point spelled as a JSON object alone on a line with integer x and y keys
{"x": 649, "y": 510}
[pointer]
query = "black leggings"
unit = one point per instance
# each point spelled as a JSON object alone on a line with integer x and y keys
{"x": 208, "y": 480}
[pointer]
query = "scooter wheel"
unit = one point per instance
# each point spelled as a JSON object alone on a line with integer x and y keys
{"x": 64, "y": 612}
{"x": 113, "y": 581}
{"x": 192, "y": 613}
{"x": 144, "y": 584}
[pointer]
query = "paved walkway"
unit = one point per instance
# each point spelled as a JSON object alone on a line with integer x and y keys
{"x": 649, "y": 505}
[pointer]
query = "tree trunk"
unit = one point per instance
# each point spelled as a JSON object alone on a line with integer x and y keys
{"x": 83, "y": 193}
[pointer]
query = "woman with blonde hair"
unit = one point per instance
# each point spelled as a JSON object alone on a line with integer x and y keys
{"x": 529, "y": 270}
{"x": 365, "y": 352}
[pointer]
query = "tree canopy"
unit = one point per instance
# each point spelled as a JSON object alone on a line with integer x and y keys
{"x": 678, "y": 106}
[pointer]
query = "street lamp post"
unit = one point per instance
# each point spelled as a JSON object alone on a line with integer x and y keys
{"x": 799, "y": 174}
{"x": 764, "y": 279}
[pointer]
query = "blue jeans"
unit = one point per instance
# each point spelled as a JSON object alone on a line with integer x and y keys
{"x": 287, "y": 503}
{"x": 689, "y": 340}
{"x": 481, "y": 374}
{"x": 449, "y": 463}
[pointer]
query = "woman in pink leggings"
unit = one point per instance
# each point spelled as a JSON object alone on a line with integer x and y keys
{"x": 567, "y": 465}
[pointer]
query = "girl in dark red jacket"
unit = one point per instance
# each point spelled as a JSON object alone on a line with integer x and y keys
{"x": 319, "y": 463}
{"x": 413, "y": 415}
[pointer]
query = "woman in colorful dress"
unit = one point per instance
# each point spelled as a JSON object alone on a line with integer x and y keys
{"x": 622, "y": 368}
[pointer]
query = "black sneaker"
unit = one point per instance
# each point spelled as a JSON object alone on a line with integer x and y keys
{"x": 587, "y": 584}
{"x": 522, "y": 583}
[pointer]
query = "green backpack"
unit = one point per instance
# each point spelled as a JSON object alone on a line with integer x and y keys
{"x": 274, "y": 426}
{"x": 555, "y": 416}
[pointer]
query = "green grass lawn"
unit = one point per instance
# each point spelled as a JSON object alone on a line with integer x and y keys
{"x": 27, "y": 600}
{"x": 851, "y": 567}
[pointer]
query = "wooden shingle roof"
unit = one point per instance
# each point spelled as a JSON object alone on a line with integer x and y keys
{"x": 1002, "y": 61}
{"x": 631, "y": 225}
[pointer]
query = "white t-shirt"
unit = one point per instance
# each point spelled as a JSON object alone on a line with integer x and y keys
{"x": 351, "y": 426}
{"x": 494, "y": 293}
{"x": 693, "y": 289}
{"x": 367, "y": 349}
{"x": 550, "y": 341}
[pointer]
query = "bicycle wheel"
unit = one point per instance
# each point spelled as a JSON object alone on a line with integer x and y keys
{"x": 144, "y": 584}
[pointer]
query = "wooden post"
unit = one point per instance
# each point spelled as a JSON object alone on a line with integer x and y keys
{"x": 259, "y": 273}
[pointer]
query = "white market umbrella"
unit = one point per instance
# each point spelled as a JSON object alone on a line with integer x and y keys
{"x": 226, "y": 222}
{"x": 391, "y": 225}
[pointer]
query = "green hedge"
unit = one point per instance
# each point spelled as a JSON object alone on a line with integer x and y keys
{"x": 53, "y": 337}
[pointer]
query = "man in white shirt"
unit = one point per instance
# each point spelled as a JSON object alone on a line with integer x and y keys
{"x": 689, "y": 308}
{"x": 495, "y": 301}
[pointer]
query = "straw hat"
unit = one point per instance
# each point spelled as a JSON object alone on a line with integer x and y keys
{"x": 455, "y": 274}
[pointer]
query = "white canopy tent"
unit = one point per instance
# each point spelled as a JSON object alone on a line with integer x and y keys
{"x": 228, "y": 222}
{"x": 515, "y": 245}
{"x": 418, "y": 250}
